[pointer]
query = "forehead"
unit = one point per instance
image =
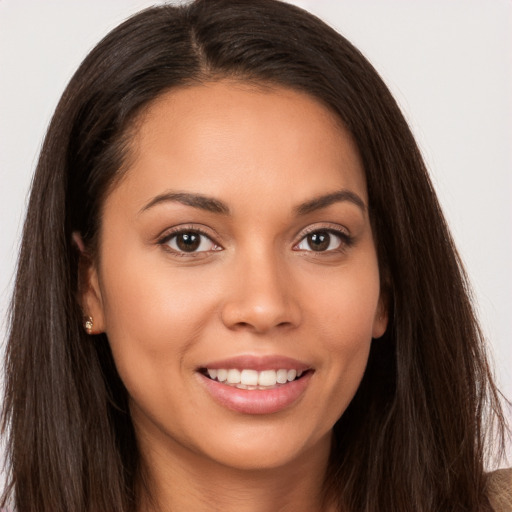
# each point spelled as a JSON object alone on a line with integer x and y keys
{"x": 231, "y": 138}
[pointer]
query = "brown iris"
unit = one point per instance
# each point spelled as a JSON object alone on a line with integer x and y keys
{"x": 319, "y": 241}
{"x": 188, "y": 242}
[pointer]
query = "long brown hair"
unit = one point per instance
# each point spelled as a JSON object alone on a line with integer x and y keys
{"x": 413, "y": 437}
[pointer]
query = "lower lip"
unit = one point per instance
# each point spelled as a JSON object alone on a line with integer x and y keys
{"x": 257, "y": 401}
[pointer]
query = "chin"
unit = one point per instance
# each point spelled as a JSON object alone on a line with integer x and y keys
{"x": 267, "y": 448}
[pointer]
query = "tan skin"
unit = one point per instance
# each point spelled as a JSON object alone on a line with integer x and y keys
{"x": 273, "y": 271}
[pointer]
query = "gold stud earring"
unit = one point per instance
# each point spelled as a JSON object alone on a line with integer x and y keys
{"x": 88, "y": 323}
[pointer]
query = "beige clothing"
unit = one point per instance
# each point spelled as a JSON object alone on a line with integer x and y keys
{"x": 500, "y": 490}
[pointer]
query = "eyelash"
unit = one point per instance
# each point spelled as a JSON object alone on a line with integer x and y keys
{"x": 346, "y": 240}
{"x": 165, "y": 239}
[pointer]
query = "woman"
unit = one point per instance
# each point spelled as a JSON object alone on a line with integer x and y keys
{"x": 244, "y": 294}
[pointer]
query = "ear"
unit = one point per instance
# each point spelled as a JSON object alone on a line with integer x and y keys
{"x": 89, "y": 290}
{"x": 380, "y": 321}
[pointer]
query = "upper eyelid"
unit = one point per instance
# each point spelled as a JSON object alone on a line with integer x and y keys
{"x": 165, "y": 239}
{"x": 337, "y": 230}
{"x": 323, "y": 226}
{"x": 168, "y": 233}
{"x": 208, "y": 232}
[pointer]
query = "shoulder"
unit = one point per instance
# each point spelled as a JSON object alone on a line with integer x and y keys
{"x": 499, "y": 490}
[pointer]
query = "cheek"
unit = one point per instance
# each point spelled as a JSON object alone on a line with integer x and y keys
{"x": 347, "y": 306}
{"x": 153, "y": 318}
{"x": 152, "y": 314}
{"x": 344, "y": 315}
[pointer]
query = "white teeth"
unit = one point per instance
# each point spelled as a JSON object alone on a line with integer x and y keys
{"x": 252, "y": 379}
{"x": 233, "y": 376}
{"x": 282, "y": 376}
{"x": 292, "y": 374}
{"x": 267, "y": 378}
{"x": 249, "y": 377}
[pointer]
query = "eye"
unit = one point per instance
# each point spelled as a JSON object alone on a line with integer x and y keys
{"x": 323, "y": 241}
{"x": 190, "y": 241}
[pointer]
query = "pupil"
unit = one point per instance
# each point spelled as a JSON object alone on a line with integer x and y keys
{"x": 319, "y": 241}
{"x": 188, "y": 242}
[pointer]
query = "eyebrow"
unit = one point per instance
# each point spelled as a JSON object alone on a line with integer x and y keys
{"x": 212, "y": 205}
{"x": 323, "y": 201}
{"x": 206, "y": 203}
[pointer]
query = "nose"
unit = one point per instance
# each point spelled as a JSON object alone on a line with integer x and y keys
{"x": 260, "y": 298}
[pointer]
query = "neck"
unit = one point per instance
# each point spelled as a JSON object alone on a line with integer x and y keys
{"x": 175, "y": 479}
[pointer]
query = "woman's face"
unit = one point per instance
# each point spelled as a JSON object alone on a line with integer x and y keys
{"x": 238, "y": 244}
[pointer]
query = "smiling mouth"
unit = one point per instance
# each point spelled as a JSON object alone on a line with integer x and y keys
{"x": 252, "y": 379}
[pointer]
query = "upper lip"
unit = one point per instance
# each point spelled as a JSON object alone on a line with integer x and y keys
{"x": 258, "y": 363}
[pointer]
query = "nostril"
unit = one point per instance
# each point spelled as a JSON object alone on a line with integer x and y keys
{"x": 242, "y": 326}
